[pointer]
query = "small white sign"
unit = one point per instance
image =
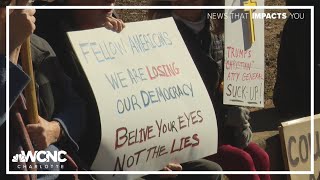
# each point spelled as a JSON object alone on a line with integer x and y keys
{"x": 244, "y": 55}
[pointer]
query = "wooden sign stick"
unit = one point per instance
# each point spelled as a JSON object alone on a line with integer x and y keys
{"x": 30, "y": 91}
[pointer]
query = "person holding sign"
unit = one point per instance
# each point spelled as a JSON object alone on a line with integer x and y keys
{"x": 94, "y": 19}
{"x": 18, "y": 78}
{"x": 22, "y": 25}
{"x": 59, "y": 106}
{"x": 71, "y": 20}
{"x": 204, "y": 38}
{"x": 25, "y": 17}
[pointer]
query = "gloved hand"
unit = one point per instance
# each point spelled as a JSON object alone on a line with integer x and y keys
{"x": 237, "y": 117}
{"x": 243, "y": 137}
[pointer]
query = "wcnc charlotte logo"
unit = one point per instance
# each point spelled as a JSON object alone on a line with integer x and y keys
{"x": 44, "y": 159}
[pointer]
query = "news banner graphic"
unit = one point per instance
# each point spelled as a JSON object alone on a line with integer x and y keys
{"x": 49, "y": 158}
{"x": 153, "y": 105}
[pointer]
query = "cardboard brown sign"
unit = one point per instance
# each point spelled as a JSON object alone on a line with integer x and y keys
{"x": 296, "y": 145}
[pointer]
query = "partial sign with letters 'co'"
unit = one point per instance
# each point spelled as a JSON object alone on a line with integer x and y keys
{"x": 296, "y": 145}
{"x": 153, "y": 105}
{"x": 244, "y": 55}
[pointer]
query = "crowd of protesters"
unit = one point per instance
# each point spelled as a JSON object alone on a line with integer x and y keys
{"x": 65, "y": 108}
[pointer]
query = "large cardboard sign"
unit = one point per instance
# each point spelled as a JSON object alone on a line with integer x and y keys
{"x": 153, "y": 105}
{"x": 244, "y": 55}
{"x": 296, "y": 144}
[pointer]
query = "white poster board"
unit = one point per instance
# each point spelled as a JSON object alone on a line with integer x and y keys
{"x": 296, "y": 143}
{"x": 153, "y": 105}
{"x": 244, "y": 55}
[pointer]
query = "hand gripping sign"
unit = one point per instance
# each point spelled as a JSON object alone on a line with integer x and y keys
{"x": 153, "y": 105}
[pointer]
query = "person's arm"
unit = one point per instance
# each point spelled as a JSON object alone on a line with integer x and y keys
{"x": 65, "y": 126}
{"x": 243, "y": 136}
{"x": 18, "y": 81}
{"x": 22, "y": 24}
{"x": 237, "y": 121}
{"x": 72, "y": 116}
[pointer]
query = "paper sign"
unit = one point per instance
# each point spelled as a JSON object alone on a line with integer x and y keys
{"x": 244, "y": 55}
{"x": 153, "y": 105}
{"x": 296, "y": 145}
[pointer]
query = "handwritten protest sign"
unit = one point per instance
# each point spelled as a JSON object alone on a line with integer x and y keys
{"x": 153, "y": 105}
{"x": 244, "y": 55}
{"x": 296, "y": 144}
